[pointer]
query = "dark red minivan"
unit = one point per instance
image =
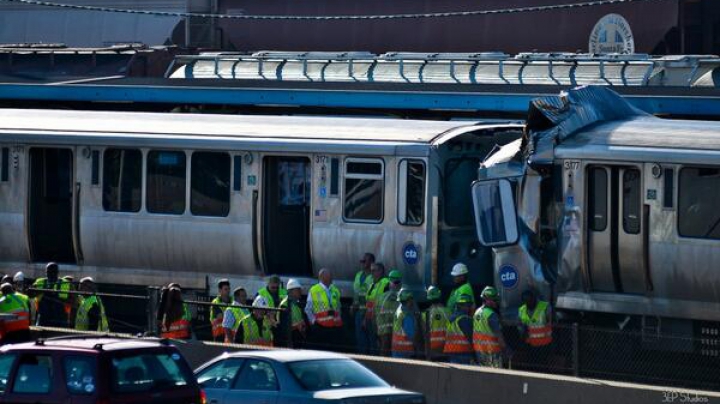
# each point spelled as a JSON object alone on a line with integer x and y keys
{"x": 81, "y": 369}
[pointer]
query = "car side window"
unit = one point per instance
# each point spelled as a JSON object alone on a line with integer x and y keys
{"x": 34, "y": 374}
{"x": 220, "y": 375}
{"x": 6, "y": 364}
{"x": 80, "y": 374}
{"x": 256, "y": 375}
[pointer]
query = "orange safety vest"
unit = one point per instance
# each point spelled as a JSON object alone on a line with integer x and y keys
{"x": 322, "y": 307}
{"x": 455, "y": 340}
{"x": 436, "y": 320}
{"x": 179, "y": 329}
{"x": 539, "y": 330}
{"x": 484, "y": 339}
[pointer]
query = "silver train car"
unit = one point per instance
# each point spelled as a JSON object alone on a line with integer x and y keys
{"x": 147, "y": 199}
{"x": 607, "y": 211}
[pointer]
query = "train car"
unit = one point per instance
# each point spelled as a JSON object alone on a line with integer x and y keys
{"x": 609, "y": 212}
{"x": 148, "y": 199}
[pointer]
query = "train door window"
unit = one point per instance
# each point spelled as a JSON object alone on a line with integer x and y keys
{"x": 597, "y": 198}
{"x": 122, "y": 180}
{"x": 631, "y": 201}
{"x": 698, "y": 193}
{"x": 210, "y": 184}
{"x": 166, "y": 182}
{"x": 411, "y": 192}
{"x": 95, "y": 169}
{"x": 237, "y": 173}
{"x": 668, "y": 188}
{"x": 334, "y": 176}
{"x": 459, "y": 176}
{"x": 363, "y": 193}
{"x": 5, "y": 164}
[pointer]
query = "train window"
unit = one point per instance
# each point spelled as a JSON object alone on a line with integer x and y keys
{"x": 597, "y": 198}
{"x": 334, "y": 176}
{"x": 631, "y": 201}
{"x": 166, "y": 182}
{"x": 95, "y": 172}
{"x": 459, "y": 176}
{"x": 363, "y": 193}
{"x": 669, "y": 188}
{"x": 210, "y": 184}
{"x": 411, "y": 192}
{"x": 5, "y": 164}
{"x": 122, "y": 179}
{"x": 698, "y": 193}
{"x": 237, "y": 173}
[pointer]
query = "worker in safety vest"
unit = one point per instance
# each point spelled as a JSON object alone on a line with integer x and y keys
{"x": 407, "y": 336}
{"x": 273, "y": 292}
{"x": 176, "y": 319}
{"x": 71, "y": 303}
{"x": 323, "y": 312}
{"x": 488, "y": 341}
{"x": 536, "y": 327}
{"x": 292, "y": 320}
{"x": 361, "y": 284}
{"x": 235, "y": 313}
{"x": 458, "y": 337}
{"x": 377, "y": 288}
{"x": 15, "y": 328}
{"x": 435, "y": 323}
{"x": 50, "y": 306}
{"x": 216, "y": 312}
{"x": 91, "y": 311}
{"x": 385, "y": 309}
{"x": 462, "y": 286}
{"x": 256, "y": 327}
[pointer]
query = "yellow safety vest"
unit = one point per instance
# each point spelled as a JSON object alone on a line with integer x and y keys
{"x": 539, "y": 330}
{"x": 264, "y": 292}
{"x": 455, "y": 340}
{"x": 361, "y": 285}
{"x": 252, "y": 334}
{"x": 327, "y": 313}
{"x": 15, "y": 304}
{"x": 484, "y": 339}
{"x": 374, "y": 293}
{"x": 400, "y": 341}
{"x": 386, "y": 312}
{"x": 437, "y": 324}
{"x": 215, "y": 321}
{"x": 296, "y": 317}
{"x": 81, "y": 318}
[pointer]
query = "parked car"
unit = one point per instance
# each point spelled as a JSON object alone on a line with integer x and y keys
{"x": 287, "y": 376}
{"x": 81, "y": 370}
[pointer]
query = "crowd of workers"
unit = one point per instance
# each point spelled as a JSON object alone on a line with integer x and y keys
{"x": 387, "y": 320}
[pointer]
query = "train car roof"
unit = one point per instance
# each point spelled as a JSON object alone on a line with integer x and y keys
{"x": 645, "y": 139}
{"x": 262, "y": 132}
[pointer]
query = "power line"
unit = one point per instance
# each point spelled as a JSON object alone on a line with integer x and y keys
{"x": 513, "y": 10}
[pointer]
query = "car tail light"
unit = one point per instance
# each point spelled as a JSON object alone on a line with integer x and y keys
{"x": 203, "y": 397}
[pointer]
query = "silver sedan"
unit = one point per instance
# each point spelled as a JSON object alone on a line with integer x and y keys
{"x": 303, "y": 377}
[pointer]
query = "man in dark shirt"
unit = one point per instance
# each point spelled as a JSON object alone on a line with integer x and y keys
{"x": 50, "y": 306}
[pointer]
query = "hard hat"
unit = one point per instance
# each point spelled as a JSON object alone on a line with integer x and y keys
{"x": 293, "y": 284}
{"x": 260, "y": 303}
{"x": 237, "y": 289}
{"x": 459, "y": 269}
{"x": 464, "y": 299}
{"x": 223, "y": 281}
{"x": 19, "y": 277}
{"x": 6, "y": 279}
{"x": 395, "y": 275}
{"x": 490, "y": 293}
{"x": 87, "y": 279}
{"x": 433, "y": 293}
{"x": 68, "y": 278}
{"x": 6, "y": 288}
{"x": 404, "y": 295}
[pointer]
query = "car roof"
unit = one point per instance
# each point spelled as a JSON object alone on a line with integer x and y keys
{"x": 87, "y": 343}
{"x": 287, "y": 355}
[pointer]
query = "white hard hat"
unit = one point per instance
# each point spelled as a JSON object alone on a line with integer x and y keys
{"x": 459, "y": 269}
{"x": 260, "y": 303}
{"x": 293, "y": 284}
{"x": 87, "y": 279}
{"x": 19, "y": 277}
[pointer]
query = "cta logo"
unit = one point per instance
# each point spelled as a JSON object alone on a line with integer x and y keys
{"x": 509, "y": 276}
{"x": 411, "y": 254}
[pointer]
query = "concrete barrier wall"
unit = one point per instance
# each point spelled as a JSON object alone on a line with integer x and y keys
{"x": 458, "y": 384}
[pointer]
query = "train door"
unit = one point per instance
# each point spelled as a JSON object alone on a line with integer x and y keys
{"x": 50, "y": 208}
{"x": 616, "y": 229}
{"x": 286, "y": 215}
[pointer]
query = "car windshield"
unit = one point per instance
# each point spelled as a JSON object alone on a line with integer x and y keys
{"x": 149, "y": 371}
{"x": 334, "y": 374}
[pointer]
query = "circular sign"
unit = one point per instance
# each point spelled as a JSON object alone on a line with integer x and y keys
{"x": 508, "y": 276}
{"x": 411, "y": 254}
{"x": 612, "y": 34}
